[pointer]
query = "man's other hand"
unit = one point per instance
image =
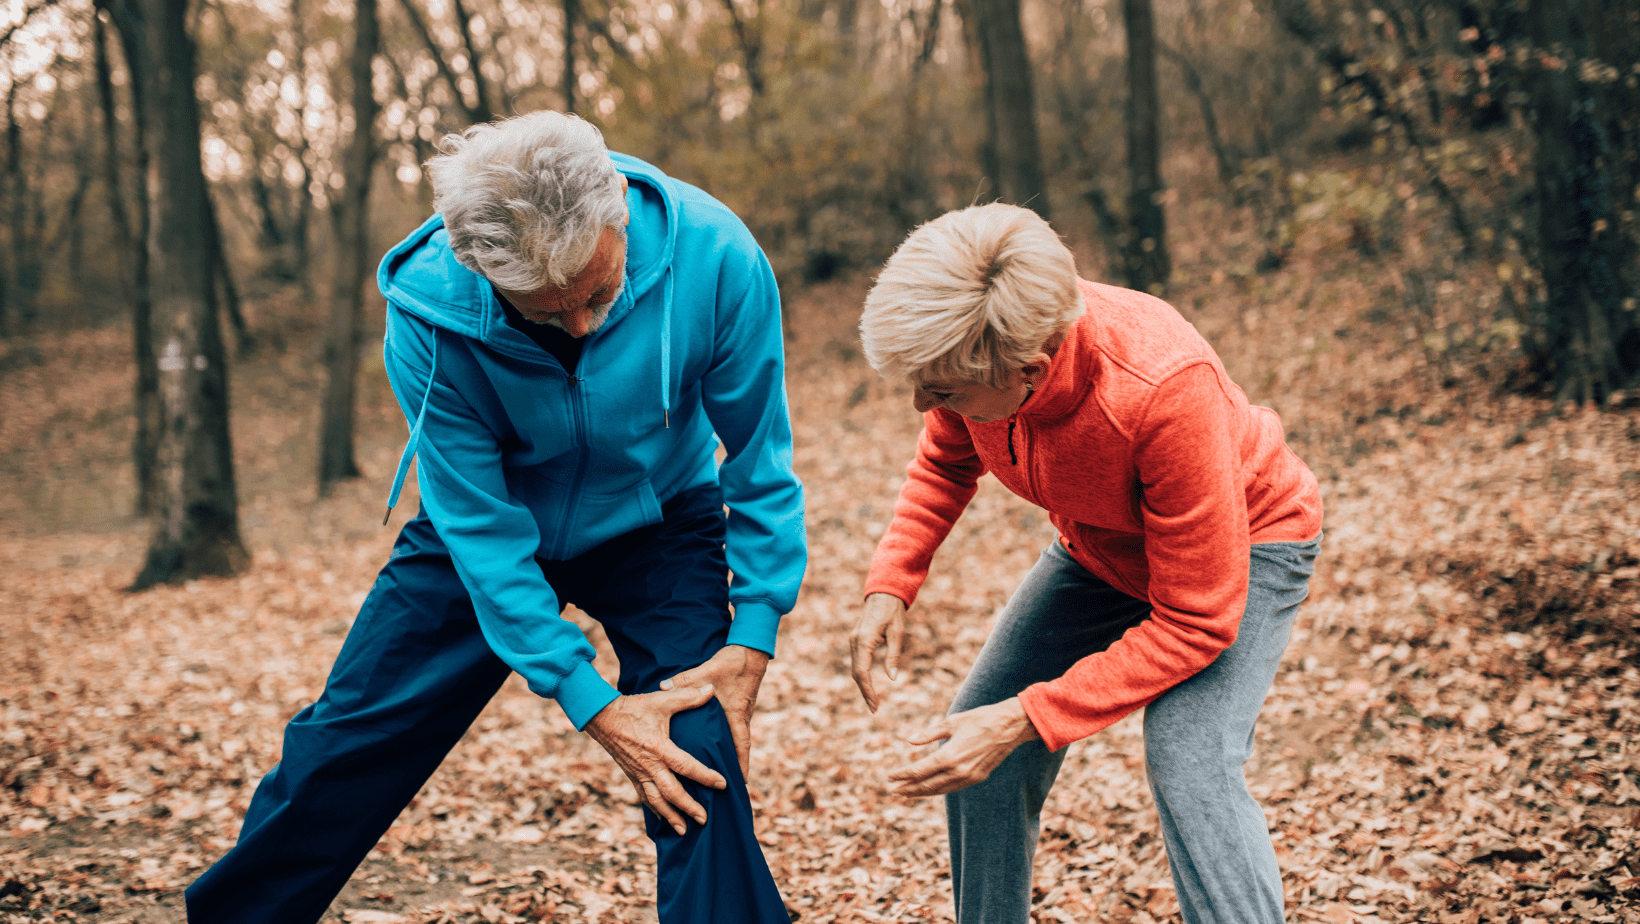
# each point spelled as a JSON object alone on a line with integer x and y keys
{"x": 636, "y": 731}
{"x": 736, "y": 672}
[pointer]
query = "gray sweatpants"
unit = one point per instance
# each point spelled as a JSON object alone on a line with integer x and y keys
{"x": 1197, "y": 735}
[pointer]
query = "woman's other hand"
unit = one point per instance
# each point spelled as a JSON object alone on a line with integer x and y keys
{"x": 975, "y": 742}
{"x": 881, "y": 621}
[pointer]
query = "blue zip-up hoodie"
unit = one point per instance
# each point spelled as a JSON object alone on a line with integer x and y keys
{"x": 519, "y": 459}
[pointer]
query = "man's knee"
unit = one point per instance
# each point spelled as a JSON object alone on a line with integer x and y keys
{"x": 704, "y": 733}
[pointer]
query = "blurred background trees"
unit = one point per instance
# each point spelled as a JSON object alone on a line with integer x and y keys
{"x": 1483, "y": 147}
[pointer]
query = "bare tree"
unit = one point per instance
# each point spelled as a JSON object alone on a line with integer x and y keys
{"x": 196, "y": 530}
{"x": 336, "y": 456}
{"x": 479, "y": 110}
{"x": 1137, "y": 240}
{"x": 1592, "y": 343}
{"x": 131, "y": 234}
{"x": 1013, "y": 151}
{"x": 1147, "y": 263}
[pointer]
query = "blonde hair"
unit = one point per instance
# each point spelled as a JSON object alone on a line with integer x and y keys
{"x": 970, "y": 297}
{"x": 526, "y": 199}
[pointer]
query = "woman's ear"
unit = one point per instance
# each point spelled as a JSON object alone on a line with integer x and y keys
{"x": 1036, "y": 367}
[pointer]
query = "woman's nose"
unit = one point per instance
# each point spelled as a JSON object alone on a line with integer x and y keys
{"x": 922, "y": 401}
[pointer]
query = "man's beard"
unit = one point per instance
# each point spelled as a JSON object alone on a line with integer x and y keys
{"x": 599, "y": 316}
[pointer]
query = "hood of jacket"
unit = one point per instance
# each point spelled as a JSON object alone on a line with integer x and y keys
{"x": 423, "y": 276}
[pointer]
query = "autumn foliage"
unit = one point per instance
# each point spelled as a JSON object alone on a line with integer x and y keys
{"x": 1448, "y": 740}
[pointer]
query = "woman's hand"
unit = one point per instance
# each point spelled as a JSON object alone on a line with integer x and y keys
{"x": 736, "y": 672}
{"x": 976, "y": 741}
{"x": 636, "y": 731}
{"x": 882, "y": 620}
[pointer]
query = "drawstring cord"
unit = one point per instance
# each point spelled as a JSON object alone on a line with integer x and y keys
{"x": 666, "y": 351}
{"x": 415, "y": 436}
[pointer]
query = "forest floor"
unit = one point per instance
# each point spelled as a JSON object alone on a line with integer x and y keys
{"x": 1449, "y": 739}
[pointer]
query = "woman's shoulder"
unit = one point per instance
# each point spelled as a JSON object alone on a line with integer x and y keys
{"x": 1138, "y": 334}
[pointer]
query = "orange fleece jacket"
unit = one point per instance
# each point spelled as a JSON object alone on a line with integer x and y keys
{"x": 1158, "y": 475}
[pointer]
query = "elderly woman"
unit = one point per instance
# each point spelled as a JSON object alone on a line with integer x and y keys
{"x": 1187, "y": 535}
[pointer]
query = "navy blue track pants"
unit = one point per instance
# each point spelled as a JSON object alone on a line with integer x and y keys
{"x": 414, "y": 673}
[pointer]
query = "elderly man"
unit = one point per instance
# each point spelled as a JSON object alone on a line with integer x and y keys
{"x": 569, "y": 337}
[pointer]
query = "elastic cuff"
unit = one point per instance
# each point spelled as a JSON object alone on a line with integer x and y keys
{"x": 905, "y": 589}
{"x": 583, "y": 694}
{"x": 755, "y": 626}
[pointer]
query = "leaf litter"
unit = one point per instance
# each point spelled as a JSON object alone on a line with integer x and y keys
{"x": 1449, "y": 740}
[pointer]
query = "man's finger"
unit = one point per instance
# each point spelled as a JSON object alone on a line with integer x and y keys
{"x": 650, "y": 791}
{"x": 673, "y": 792}
{"x": 684, "y": 764}
{"x": 896, "y": 635}
{"x": 741, "y": 730}
{"x": 688, "y": 678}
{"x": 681, "y": 698}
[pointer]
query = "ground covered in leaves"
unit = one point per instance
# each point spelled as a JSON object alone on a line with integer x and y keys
{"x": 1450, "y": 740}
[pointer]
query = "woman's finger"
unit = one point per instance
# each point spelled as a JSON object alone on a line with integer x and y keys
{"x": 895, "y": 635}
{"x": 862, "y": 648}
{"x": 939, "y": 731}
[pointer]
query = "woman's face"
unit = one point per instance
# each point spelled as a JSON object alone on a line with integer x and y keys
{"x": 979, "y": 403}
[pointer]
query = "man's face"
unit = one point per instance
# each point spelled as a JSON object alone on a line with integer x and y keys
{"x": 582, "y": 306}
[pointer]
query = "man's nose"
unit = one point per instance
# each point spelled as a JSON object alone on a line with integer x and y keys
{"x": 578, "y": 321}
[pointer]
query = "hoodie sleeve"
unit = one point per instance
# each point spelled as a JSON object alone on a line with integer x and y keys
{"x": 492, "y": 539}
{"x": 939, "y": 483}
{"x": 744, "y": 395}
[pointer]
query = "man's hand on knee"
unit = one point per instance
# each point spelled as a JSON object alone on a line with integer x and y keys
{"x": 636, "y": 730}
{"x": 736, "y": 672}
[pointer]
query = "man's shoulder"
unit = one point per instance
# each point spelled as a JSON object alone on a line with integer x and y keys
{"x": 702, "y": 220}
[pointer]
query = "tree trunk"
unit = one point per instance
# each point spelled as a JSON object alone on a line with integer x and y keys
{"x": 1580, "y": 253}
{"x": 336, "y": 457}
{"x": 196, "y": 530}
{"x": 1147, "y": 265}
{"x": 1014, "y": 151}
{"x": 569, "y": 56}
{"x": 132, "y": 232}
{"x": 242, "y": 339}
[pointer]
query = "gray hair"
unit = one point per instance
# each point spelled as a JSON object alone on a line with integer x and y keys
{"x": 970, "y": 297}
{"x": 526, "y": 199}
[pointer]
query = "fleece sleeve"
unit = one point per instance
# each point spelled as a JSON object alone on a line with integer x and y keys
{"x": 1194, "y": 510}
{"x": 744, "y": 395}
{"x": 491, "y": 537}
{"x": 940, "y": 481}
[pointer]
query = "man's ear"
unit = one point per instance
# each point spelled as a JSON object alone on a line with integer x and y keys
{"x": 628, "y": 219}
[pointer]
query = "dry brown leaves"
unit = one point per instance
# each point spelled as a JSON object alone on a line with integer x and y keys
{"x": 1448, "y": 742}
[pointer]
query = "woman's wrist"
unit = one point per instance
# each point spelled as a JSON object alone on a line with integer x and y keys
{"x": 1020, "y": 729}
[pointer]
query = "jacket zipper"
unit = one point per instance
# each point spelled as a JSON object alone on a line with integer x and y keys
{"x": 1013, "y": 456}
{"x": 578, "y": 430}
